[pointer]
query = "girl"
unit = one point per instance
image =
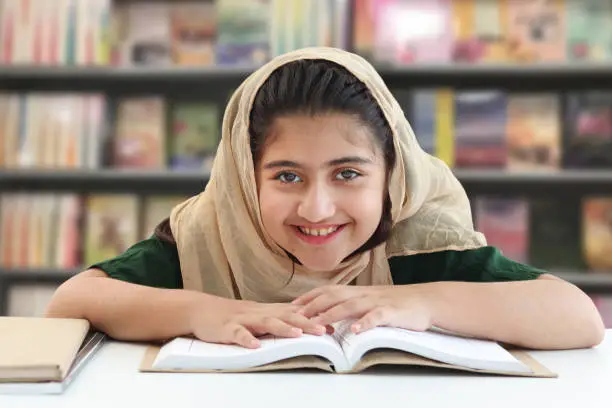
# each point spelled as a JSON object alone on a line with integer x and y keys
{"x": 322, "y": 207}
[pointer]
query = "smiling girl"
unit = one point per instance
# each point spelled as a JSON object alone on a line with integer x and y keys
{"x": 322, "y": 207}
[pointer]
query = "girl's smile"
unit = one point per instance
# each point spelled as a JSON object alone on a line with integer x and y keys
{"x": 319, "y": 235}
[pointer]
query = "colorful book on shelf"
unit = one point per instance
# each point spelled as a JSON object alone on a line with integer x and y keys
{"x": 589, "y": 130}
{"x": 505, "y": 224}
{"x": 423, "y": 119}
{"x": 111, "y": 226}
{"x": 480, "y": 129}
{"x": 243, "y": 36}
{"x": 589, "y": 33}
{"x": 194, "y": 31}
{"x": 536, "y": 30}
{"x": 597, "y": 233}
{"x": 147, "y": 37}
{"x": 140, "y": 133}
{"x": 8, "y": 221}
{"x": 195, "y": 136}
{"x": 533, "y": 132}
{"x": 363, "y": 28}
{"x": 156, "y": 209}
{"x": 344, "y": 352}
{"x": 478, "y": 31}
{"x": 413, "y": 31}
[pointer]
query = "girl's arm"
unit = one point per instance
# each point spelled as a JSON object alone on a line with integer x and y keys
{"x": 127, "y": 311}
{"x": 545, "y": 313}
{"x": 124, "y": 310}
{"x": 542, "y": 313}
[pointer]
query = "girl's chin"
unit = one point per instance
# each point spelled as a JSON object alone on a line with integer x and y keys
{"x": 319, "y": 265}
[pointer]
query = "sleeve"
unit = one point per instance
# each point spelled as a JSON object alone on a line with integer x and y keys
{"x": 151, "y": 262}
{"x": 485, "y": 264}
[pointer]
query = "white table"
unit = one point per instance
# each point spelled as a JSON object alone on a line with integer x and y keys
{"x": 112, "y": 379}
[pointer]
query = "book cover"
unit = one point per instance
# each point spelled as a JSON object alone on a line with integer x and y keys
{"x": 11, "y": 128}
{"x": 478, "y": 29}
{"x": 194, "y": 32}
{"x": 588, "y": 142}
{"x": 35, "y": 232}
{"x": 140, "y": 133}
{"x": 505, "y": 224}
{"x": 413, "y": 31}
{"x": 363, "y": 28}
{"x": 597, "y": 233}
{"x": 243, "y": 36}
{"x": 69, "y": 213}
{"x": 8, "y": 29}
{"x": 23, "y": 218}
{"x": 536, "y": 30}
{"x": 555, "y": 228}
{"x": 149, "y": 37}
{"x": 424, "y": 110}
{"x": 589, "y": 30}
{"x": 195, "y": 136}
{"x": 111, "y": 226}
{"x": 480, "y": 129}
{"x": 8, "y": 220}
{"x": 4, "y": 112}
{"x": 533, "y": 132}
{"x": 95, "y": 130}
{"x": 156, "y": 209}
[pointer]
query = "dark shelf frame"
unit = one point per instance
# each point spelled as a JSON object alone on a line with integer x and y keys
{"x": 553, "y": 183}
{"x": 455, "y": 75}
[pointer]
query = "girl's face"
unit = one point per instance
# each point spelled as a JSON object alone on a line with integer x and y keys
{"x": 321, "y": 183}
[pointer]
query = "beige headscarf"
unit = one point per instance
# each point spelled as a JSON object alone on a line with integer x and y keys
{"x": 224, "y": 249}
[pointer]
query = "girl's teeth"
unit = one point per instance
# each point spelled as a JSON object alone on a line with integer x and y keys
{"x": 318, "y": 232}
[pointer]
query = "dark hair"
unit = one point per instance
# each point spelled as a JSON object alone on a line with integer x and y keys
{"x": 316, "y": 87}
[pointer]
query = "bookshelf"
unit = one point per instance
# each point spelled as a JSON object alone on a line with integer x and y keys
{"x": 214, "y": 83}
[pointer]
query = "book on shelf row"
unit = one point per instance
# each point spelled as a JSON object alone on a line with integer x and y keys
{"x": 466, "y": 129}
{"x": 68, "y": 230}
{"x": 249, "y": 32}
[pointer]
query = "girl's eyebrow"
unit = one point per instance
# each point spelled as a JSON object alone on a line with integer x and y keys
{"x": 335, "y": 162}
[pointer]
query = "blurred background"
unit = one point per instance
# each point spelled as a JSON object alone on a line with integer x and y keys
{"x": 109, "y": 110}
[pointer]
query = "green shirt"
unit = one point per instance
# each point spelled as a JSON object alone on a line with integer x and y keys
{"x": 154, "y": 262}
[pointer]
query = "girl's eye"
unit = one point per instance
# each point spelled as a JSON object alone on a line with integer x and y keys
{"x": 288, "y": 178}
{"x": 347, "y": 175}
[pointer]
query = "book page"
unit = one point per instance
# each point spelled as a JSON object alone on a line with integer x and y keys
{"x": 438, "y": 346}
{"x": 191, "y": 354}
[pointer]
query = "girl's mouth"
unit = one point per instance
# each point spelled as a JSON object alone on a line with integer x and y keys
{"x": 318, "y": 236}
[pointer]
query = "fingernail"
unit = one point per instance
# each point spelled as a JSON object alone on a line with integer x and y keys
{"x": 356, "y": 328}
{"x": 296, "y": 330}
{"x": 254, "y": 343}
{"x": 321, "y": 329}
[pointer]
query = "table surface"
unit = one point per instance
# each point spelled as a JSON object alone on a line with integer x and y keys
{"x": 112, "y": 379}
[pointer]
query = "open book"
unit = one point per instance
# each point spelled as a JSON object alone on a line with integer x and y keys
{"x": 345, "y": 352}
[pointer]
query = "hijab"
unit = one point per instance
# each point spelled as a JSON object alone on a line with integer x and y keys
{"x": 224, "y": 249}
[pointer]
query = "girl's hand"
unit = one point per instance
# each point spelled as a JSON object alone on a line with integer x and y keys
{"x": 397, "y": 306}
{"x": 219, "y": 320}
